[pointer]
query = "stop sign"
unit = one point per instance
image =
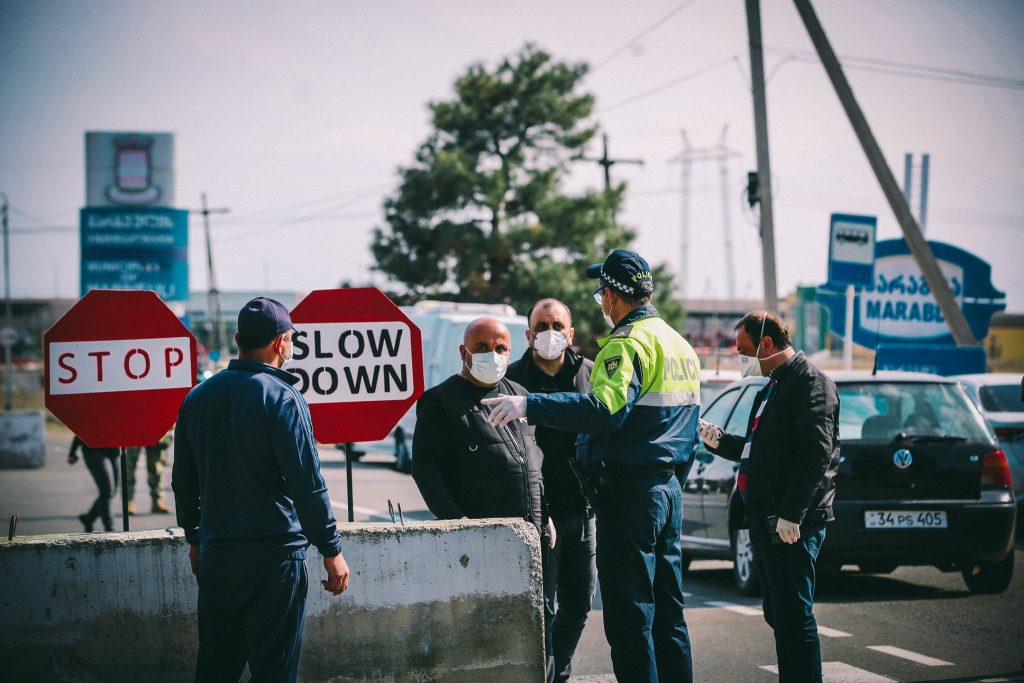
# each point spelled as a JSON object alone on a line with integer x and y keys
{"x": 118, "y": 365}
{"x": 359, "y": 361}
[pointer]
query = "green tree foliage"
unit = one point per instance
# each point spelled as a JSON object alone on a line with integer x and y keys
{"x": 481, "y": 215}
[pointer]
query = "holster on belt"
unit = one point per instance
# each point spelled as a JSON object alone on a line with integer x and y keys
{"x": 595, "y": 481}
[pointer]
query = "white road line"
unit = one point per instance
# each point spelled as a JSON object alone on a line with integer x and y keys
{"x": 994, "y": 680}
{"x": 832, "y": 633}
{"x": 907, "y": 654}
{"x": 840, "y": 672}
{"x": 738, "y": 609}
{"x": 343, "y": 505}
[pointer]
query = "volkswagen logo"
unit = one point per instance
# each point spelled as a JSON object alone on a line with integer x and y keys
{"x": 902, "y": 458}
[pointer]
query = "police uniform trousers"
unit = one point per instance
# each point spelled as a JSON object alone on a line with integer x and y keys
{"x": 251, "y": 610}
{"x": 639, "y": 565}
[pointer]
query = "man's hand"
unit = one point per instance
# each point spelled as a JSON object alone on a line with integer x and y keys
{"x": 337, "y": 575}
{"x": 504, "y": 409}
{"x": 710, "y": 434}
{"x": 788, "y": 531}
{"x": 193, "y": 558}
{"x": 552, "y": 536}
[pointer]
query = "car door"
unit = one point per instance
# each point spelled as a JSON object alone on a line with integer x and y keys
{"x": 694, "y": 524}
{"x": 720, "y": 474}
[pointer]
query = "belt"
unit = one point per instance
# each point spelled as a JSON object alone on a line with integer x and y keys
{"x": 639, "y": 469}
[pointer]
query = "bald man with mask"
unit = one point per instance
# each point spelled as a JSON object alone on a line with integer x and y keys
{"x": 464, "y": 466}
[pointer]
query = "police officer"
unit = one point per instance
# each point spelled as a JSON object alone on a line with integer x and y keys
{"x": 570, "y": 573}
{"x": 638, "y": 427}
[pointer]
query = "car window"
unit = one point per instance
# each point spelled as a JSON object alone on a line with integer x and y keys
{"x": 741, "y": 415}
{"x": 718, "y": 412}
{"x": 881, "y": 410}
{"x": 1001, "y": 398}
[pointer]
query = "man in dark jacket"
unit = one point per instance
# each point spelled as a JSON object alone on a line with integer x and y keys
{"x": 462, "y": 465}
{"x": 250, "y": 497}
{"x": 788, "y": 462}
{"x": 570, "y": 572}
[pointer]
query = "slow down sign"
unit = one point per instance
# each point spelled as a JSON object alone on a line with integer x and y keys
{"x": 359, "y": 361}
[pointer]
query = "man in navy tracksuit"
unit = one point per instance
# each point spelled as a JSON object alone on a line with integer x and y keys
{"x": 250, "y": 498}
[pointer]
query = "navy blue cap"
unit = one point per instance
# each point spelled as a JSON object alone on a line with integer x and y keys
{"x": 625, "y": 272}
{"x": 261, "y": 320}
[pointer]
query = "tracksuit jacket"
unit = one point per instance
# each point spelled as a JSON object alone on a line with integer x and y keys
{"x": 246, "y": 474}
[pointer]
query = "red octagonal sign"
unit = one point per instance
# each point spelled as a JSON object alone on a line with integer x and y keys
{"x": 118, "y": 365}
{"x": 359, "y": 361}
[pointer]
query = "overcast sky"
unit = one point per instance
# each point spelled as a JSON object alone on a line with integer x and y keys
{"x": 296, "y": 116}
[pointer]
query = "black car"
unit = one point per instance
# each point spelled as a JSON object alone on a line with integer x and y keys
{"x": 921, "y": 482}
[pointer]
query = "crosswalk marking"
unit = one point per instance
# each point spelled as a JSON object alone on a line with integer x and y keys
{"x": 840, "y": 672}
{"x": 908, "y": 655}
{"x": 832, "y": 632}
{"x": 739, "y": 609}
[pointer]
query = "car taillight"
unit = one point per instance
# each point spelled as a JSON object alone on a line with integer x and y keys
{"x": 995, "y": 470}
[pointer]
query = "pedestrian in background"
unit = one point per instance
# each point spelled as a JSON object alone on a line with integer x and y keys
{"x": 638, "y": 426}
{"x": 154, "y": 471}
{"x": 97, "y": 460}
{"x": 570, "y": 572}
{"x": 788, "y": 457}
{"x": 250, "y": 497}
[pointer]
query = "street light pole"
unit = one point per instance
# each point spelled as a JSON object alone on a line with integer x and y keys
{"x": 7, "y": 305}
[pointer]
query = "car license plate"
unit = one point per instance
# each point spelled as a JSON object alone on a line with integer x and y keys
{"x": 905, "y": 519}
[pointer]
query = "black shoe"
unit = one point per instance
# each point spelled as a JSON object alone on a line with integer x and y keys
{"x": 86, "y": 522}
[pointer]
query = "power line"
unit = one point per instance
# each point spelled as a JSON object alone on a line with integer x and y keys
{"x": 911, "y": 70}
{"x": 647, "y": 31}
{"x": 664, "y": 86}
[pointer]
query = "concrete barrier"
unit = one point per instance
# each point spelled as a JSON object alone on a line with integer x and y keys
{"x": 21, "y": 439}
{"x": 458, "y": 601}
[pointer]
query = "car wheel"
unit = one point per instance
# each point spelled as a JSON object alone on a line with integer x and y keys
{"x": 403, "y": 459}
{"x": 989, "y": 577}
{"x": 744, "y": 573}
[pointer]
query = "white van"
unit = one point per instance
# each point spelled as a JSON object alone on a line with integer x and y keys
{"x": 442, "y": 324}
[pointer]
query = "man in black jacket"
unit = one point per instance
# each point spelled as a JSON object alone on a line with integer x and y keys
{"x": 788, "y": 462}
{"x": 570, "y": 572}
{"x": 462, "y": 465}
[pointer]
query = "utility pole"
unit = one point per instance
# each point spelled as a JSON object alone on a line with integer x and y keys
{"x": 919, "y": 248}
{"x": 8, "y": 370}
{"x": 607, "y": 162}
{"x": 908, "y": 187}
{"x": 764, "y": 171}
{"x": 690, "y": 155}
{"x": 213, "y": 294}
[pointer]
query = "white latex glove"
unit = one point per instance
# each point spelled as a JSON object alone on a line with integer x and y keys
{"x": 552, "y": 536}
{"x": 504, "y": 409}
{"x": 710, "y": 434}
{"x": 788, "y": 531}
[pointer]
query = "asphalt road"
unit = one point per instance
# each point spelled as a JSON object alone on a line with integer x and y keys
{"x": 916, "y": 624}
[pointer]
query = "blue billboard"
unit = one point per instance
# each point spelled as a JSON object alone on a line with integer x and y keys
{"x": 897, "y": 307}
{"x": 135, "y": 248}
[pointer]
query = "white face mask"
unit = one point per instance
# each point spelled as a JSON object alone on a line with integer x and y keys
{"x": 751, "y": 366}
{"x": 286, "y": 361}
{"x": 550, "y": 344}
{"x": 489, "y": 367}
{"x": 600, "y": 302}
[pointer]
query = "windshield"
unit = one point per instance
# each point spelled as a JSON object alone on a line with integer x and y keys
{"x": 881, "y": 410}
{"x": 1001, "y": 398}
